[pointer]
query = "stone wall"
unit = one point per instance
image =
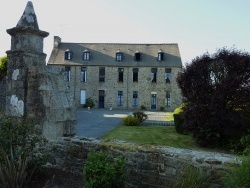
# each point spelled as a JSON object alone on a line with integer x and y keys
{"x": 147, "y": 166}
{"x": 2, "y": 95}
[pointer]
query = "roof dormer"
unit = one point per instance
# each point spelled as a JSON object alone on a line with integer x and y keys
{"x": 68, "y": 54}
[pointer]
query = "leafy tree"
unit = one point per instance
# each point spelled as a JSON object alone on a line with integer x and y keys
{"x": 216, "y": 89}
{"x": 3, "y": 67}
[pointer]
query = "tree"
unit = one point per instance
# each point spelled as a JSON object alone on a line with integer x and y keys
{"x": 216, "y": 90}
{"x": 3, "y": 67}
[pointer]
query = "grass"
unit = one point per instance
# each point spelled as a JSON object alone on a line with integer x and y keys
{"x": 152, "y": 135}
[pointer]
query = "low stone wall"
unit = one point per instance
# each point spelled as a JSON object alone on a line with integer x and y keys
{"x": 147, "y": 166}
{"x": 2, "y": 95}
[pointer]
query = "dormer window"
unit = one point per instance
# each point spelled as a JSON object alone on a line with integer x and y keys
{"x": 160, "y": 55}
{"x": 137, "y": 56}
{"x": 68, "y": 55}
{"x": 119, "y": 56}
{"x": 86, "y": 55}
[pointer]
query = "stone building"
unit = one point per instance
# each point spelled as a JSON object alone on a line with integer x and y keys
{"x": 120, "y": 76}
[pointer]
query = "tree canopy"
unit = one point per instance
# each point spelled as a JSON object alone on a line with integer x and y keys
{"x": 3, "y": 67}
{"x": 216, "y": 91}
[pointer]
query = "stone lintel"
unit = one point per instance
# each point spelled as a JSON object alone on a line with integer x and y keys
{"x": 13, "y": 31}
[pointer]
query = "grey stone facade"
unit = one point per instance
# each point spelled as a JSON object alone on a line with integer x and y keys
{"x": 33, "y": 90}
{"x": 132, "y": 93}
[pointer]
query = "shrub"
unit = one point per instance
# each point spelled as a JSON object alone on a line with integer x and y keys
{"x": 212, "y": 113}
{"x": 191, "y": 177}
{"x": 179, "y": 120}
{"x": 89, "y": 103}
{"x": 130, "y": 121}
{"x": 18, "y": 142}
{"x": 162, "y": 108}
{"x": 101, "y": 170}
{"x": 140, "y": 116}
{"x": 239, "y": 176}
{"x": 143, "y": 107}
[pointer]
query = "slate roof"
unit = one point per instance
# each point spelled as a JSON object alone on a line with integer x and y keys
{"x": 103, "y": 54}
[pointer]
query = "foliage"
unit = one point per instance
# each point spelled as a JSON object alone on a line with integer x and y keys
{"x": 216, "y": 90}
{"x": 191, "y": 177}
{"x": 89, "y": 103}
{"x": 143, "y": 107}
{"x": 239, "y": 176}
{"x": 3, "y": 67}
{"x": 162, "y": 108}
{"x": 101, "y": 170}
{"x": 14, "y": 174}
{"x": 18, "y": 141}
{"x": 179, "y": 120}
{"x": 130, "y": 121}
{"x": 140, "y": 116}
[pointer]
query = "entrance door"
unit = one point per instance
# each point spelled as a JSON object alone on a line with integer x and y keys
{"x": 153, "y": 101}
{"x": 101, "y": 98}
{"x": 83, "y": 97}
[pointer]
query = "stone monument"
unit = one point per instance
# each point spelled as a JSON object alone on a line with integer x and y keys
{"x": 35, "y": 91}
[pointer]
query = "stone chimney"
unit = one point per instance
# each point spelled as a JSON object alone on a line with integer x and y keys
{"x": 57, "y": 41}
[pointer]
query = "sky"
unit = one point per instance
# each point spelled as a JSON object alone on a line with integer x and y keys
{"x": 198, "y": 26}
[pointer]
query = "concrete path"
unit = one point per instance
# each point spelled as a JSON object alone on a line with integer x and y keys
{"x": 96, "y": 122}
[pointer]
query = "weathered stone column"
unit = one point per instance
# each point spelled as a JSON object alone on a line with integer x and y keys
{"x": 33, "y": 90}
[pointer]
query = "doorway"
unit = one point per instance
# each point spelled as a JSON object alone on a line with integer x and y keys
{"x": 101, "y": 98}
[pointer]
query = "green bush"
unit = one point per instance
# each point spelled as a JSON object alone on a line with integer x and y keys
{"x": 162, "y": 108}
{"x": 143, "y": 107}
{"x": 18, "y": 142}
{"x": 130, "y": 121}
{"x": 101, "y": 170}
{"x": 239, "y": 176}
{"x": 140, "y": 116}
{"x": 191, "y": 177}
{"x": 179, "y": 120}
{"x": 89, "y": 103}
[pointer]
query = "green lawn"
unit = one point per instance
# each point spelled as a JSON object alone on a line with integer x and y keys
{"x": 152, "y": 135}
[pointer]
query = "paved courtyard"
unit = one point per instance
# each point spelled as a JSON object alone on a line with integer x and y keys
{"x": 96, "y": 122}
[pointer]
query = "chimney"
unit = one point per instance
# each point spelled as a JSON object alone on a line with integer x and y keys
{"x": 57, "y": 41}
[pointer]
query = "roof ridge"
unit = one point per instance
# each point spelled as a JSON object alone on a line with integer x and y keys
{"x": 120, "y": 43}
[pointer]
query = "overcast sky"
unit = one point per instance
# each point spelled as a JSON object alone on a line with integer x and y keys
{"x": 198, "y": 26}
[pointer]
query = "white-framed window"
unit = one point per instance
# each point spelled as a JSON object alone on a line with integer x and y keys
{"x": 102, "y": 74}
{"x": 153, "y": 75}
{"x": 83, "y": 74}
{"x": 120, "y": 74}
{"x": 167, "y": 100}
{"x": 135, "y": 98}
{"x": 67, "y": 74}
{"x": 160, "y": 56}
{"x": 68, "y": 55}
{"x": 86, "y": 55}
{"x": 119, "y": 56}
{"x": 168, "y": 75}
{"x": 120, "y": 98}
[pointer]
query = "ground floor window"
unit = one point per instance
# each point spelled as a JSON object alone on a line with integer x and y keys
{"x": 167, "y": 100}
{"x": 135, "y": 98}
{"x": 120, "y": 98}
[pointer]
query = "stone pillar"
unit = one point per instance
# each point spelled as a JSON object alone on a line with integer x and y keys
{"x": 33, "y": 91}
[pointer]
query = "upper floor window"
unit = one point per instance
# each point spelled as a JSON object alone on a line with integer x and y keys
{"x": 68, "y": 55}
{"x": 137, "y": 56}
{"x": 119, "y": 56}
{"x": 135, "y": 74}
{"x": 160, "y": 55}
{"x": 83, "y": 74}
{"x": 168, "y": 75}
{"x": 67, "y": 73}
{"x": 102, "y": 74}
{"x": 120, "y": 74}
{"x": 86, "y": 55}
{"x": 153, "y": 75}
